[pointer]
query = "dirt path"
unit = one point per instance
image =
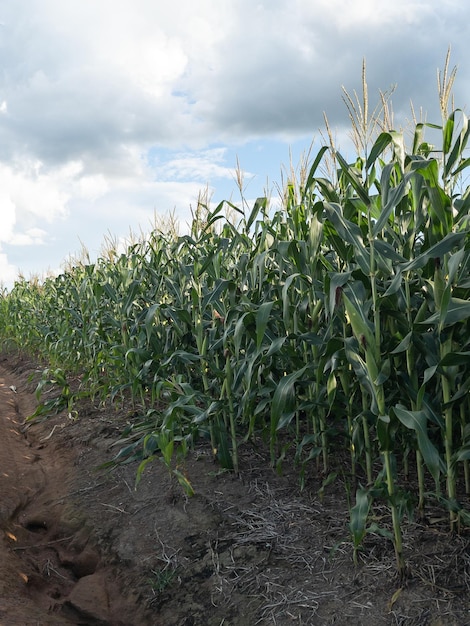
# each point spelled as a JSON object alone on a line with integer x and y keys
{"x": 28, "y": 482}
{"x": 50, "y": 571}
{"x": 22, "y": 477}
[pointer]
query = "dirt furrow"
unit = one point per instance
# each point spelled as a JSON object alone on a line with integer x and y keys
{"x": 50, "y": 571}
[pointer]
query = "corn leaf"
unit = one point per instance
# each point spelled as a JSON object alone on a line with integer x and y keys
{"x": 417, "y": 421}
{"x": 436, "y": 251}
{"x": 282, "y": 399}
{"x": 458, "y": 310}
{"x": 351, "y": 233}
{"x": 358, "y": 516}
{"x": 262, "y": 319}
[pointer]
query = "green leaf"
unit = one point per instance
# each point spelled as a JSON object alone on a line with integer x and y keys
{"x": 285, "y": 299}
{"x": 214, "y": 295}
{"x": 259, "y": 206}
{"x": 463, "y": 454}
{"x": 361, "y": 371}
{"x": 417, "y": 421}
{"x": 353, "y": 178}
{"x": 457, "y": 311}
{"x": 149, "y": 319}
{"x": 391, "y": 198}
{"x": 331, "y": 388}
{"x": 398, "y": 140}
{"x": 360, "y": 325}
{"x": 326, "y": 482}
{"x": 459, "y": 145}
{"x": 384, "y": 373}
{"x": 436, "y": 251}
{"x": 132, "y": 291}
{"x": 166, "y": 444}
{"x": 395, "y": 284}
{"x": 282, "y": 398}
{"x": 182, "y": 356}
{"x": 448, "y": 131}
{"x": 444, "y": 306}
{"x": 429, "y": 373}
{"x": 381, "y": 143}
{"x": 418, "y": 137}
{"x": 222, "y": 440}
{"x": 337, "y": 281}
{"x": 404, "y": 344}
{"x": 141, "y": 468}
{"x": 453, "y": 264}
{"x": 239, "y": 333}
{"x": 455, "y": 358}
{"x": 358, "y": 516}
{"x": 311, "y": 175}
{"x": 388, "y": 251}
{"x": 375, "y": 529}
{"x": 184, "y": 482}
{"x": 275, "y": 346}
{"x": 383, "y": 433}
{"x": 462, "y": 166}
{"x": 351, "y": 233}
{"x": 262, "y": 319}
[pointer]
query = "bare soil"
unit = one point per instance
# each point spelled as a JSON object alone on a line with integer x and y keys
{"x": 81, "y": 546}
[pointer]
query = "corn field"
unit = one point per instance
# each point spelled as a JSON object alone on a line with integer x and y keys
{"x": 336, "y": 326}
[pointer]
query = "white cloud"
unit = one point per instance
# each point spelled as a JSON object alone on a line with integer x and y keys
{"x": 95, "y": 78}
{"x": 368, "y": 14}
{"x": 92, "y": 187}
{"x": 32, "y": 192}
{"x": 203, "y": 166}
{"x": 30, "y": 237}
{"x": 8, "y": 212}
{"x": 8, "y": 272}
{"x": 110, "y": 110}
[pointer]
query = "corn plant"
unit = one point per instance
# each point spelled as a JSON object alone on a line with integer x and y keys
{"x": 335, "y": 326}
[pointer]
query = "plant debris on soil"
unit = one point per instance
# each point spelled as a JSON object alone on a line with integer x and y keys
{"x": 82, "y": 546}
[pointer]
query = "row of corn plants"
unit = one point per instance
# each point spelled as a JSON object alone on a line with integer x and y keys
{"x": 336, "y": 326}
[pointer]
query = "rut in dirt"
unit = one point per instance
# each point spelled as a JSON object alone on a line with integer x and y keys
{"x": 50, "y": 571}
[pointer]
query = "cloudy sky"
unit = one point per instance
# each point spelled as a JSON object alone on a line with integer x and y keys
{"x": 112, "y": 110}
